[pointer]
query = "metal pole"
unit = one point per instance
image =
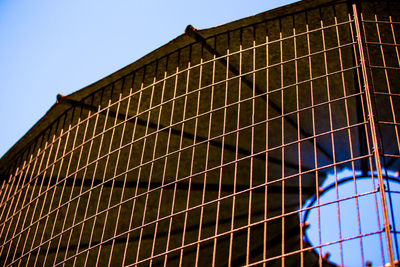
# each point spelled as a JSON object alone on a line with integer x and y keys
{"x": 373, "y": 134}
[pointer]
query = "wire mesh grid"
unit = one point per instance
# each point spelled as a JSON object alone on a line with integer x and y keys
{"x": 209, "y": 154}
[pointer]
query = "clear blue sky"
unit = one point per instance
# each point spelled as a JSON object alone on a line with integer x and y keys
{"x": 50, "y": 47}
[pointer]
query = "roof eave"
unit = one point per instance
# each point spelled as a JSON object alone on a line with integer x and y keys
{"x": 181, "y": 41}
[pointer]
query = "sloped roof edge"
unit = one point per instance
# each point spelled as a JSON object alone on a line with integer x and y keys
{"x": 181, "y": 41}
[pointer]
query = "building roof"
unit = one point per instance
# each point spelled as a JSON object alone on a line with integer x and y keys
{"x": 178, "y": 43}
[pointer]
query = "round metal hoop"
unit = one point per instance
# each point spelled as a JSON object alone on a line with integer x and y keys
{"x": 322, "y": 191}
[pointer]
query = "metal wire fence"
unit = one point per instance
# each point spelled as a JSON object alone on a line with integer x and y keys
{"x": 208, "y": 154}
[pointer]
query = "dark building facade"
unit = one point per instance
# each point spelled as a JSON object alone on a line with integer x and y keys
{"x": 214, "y": 149}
